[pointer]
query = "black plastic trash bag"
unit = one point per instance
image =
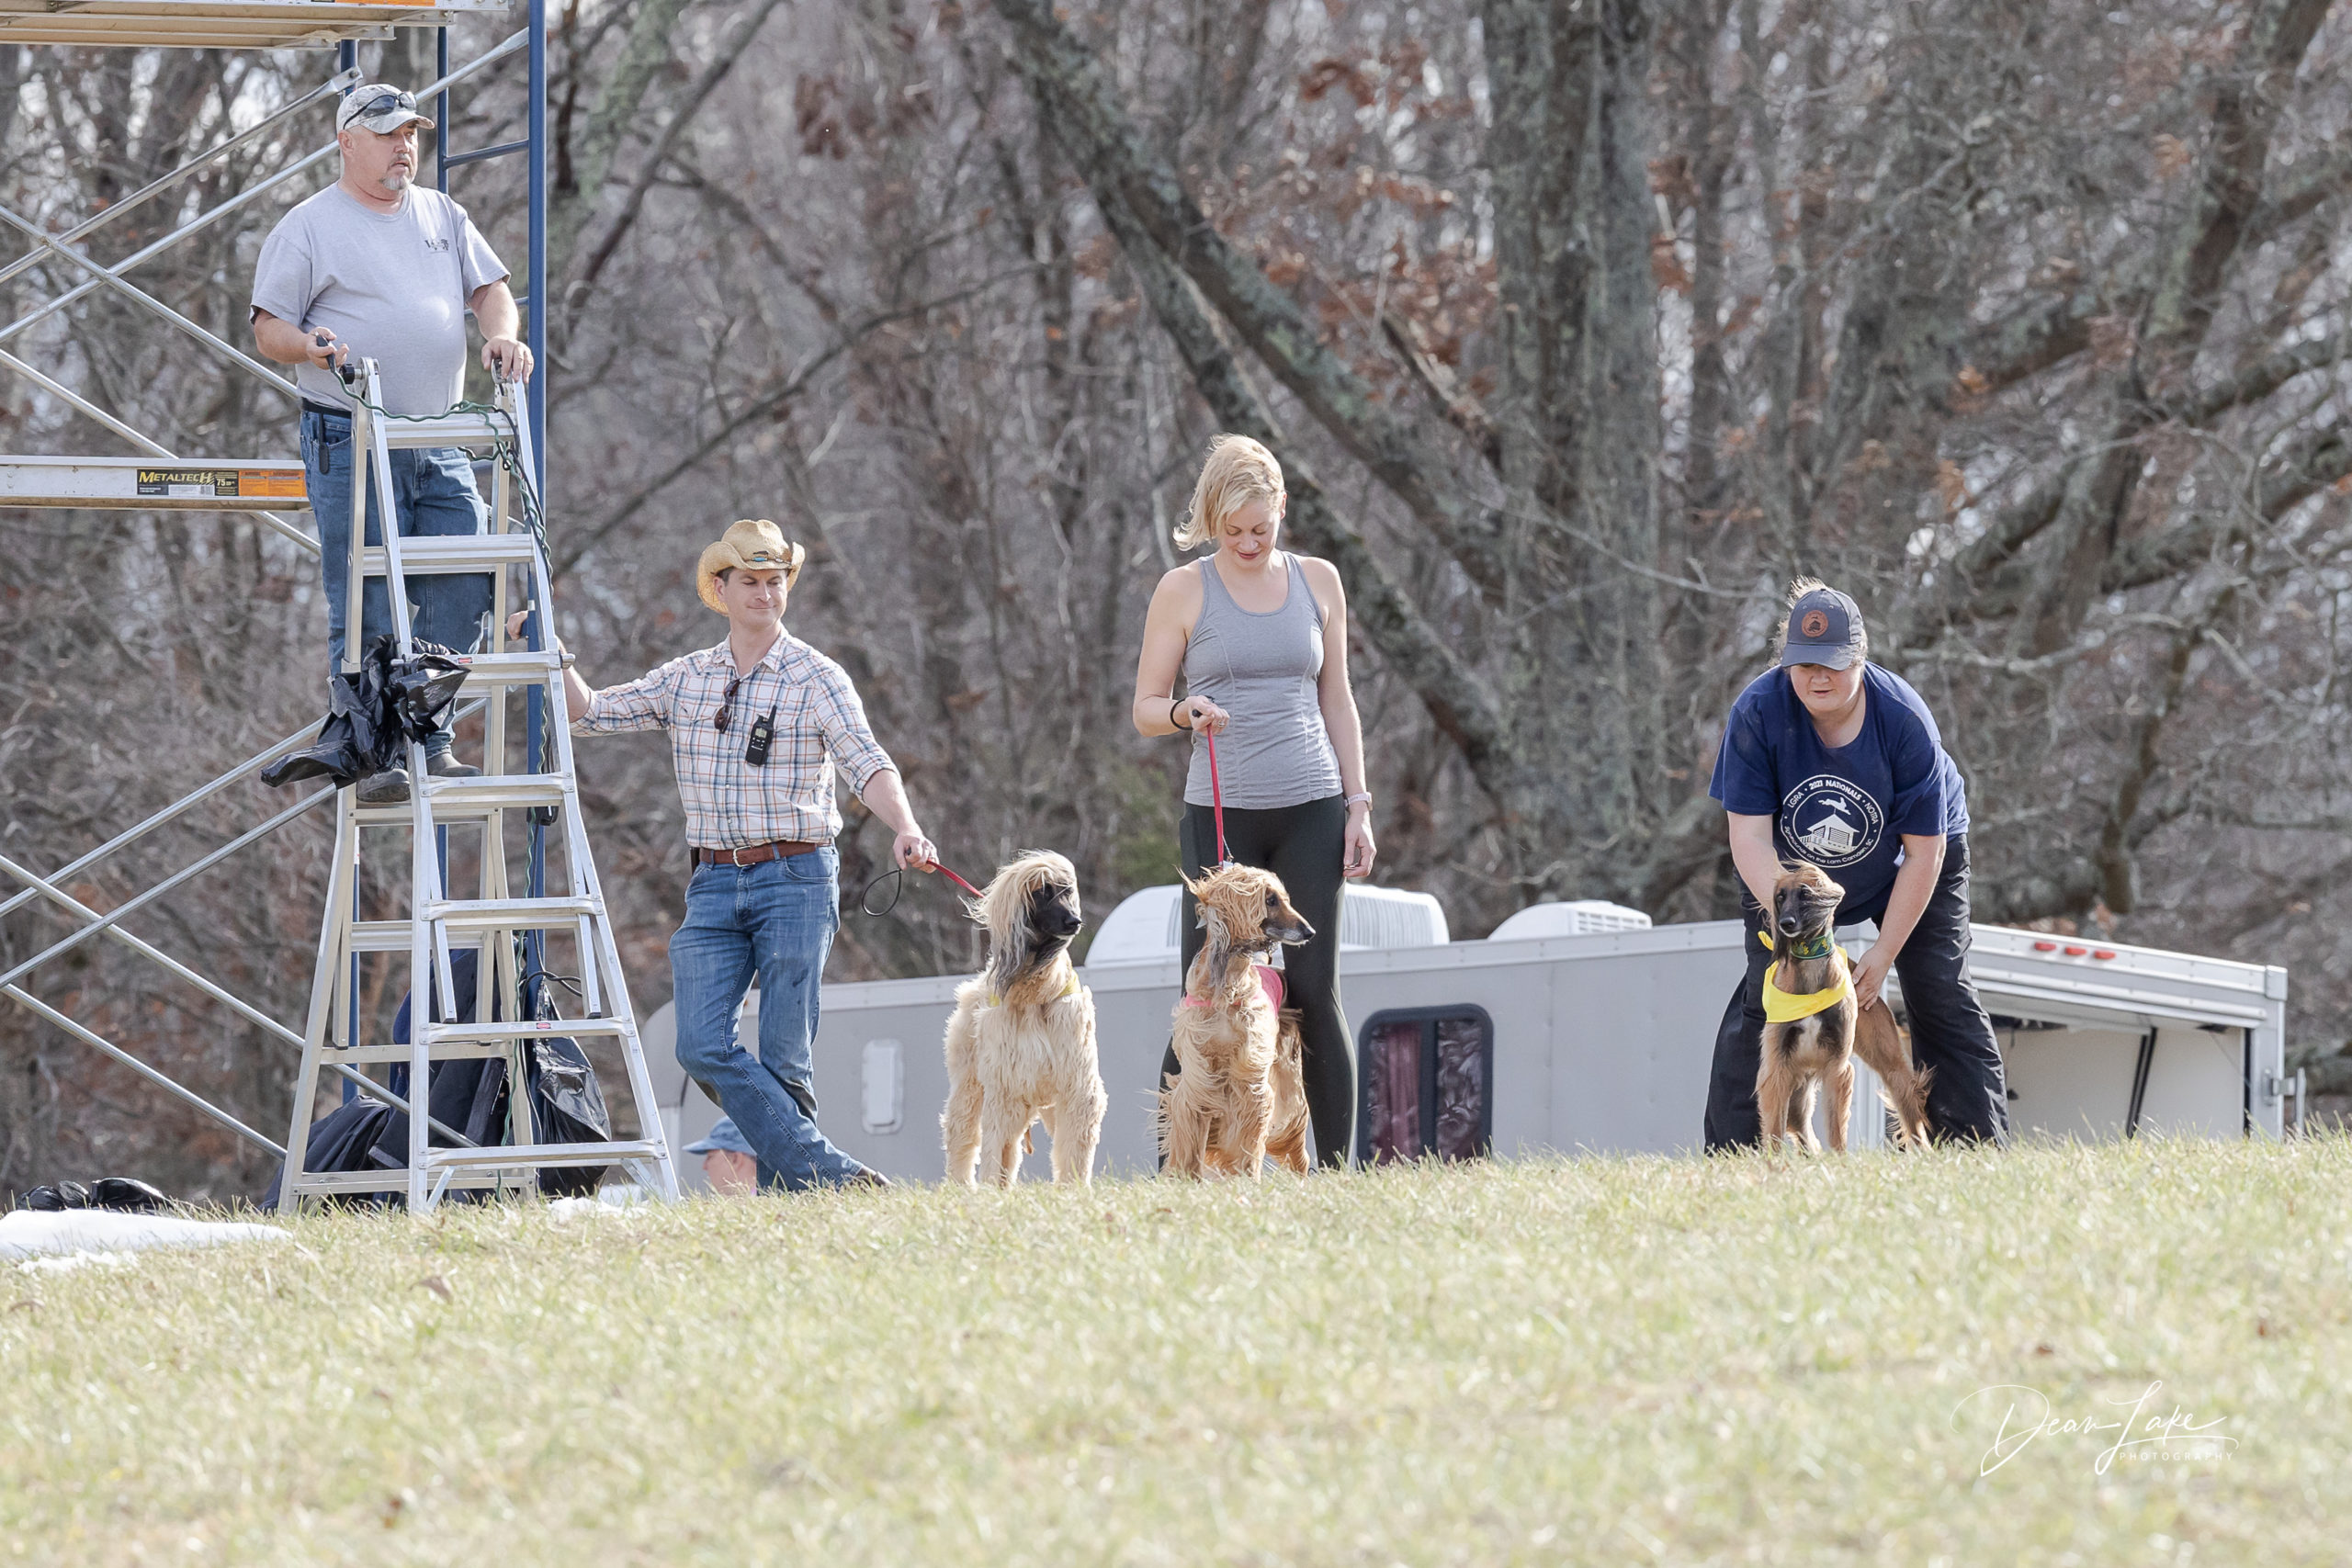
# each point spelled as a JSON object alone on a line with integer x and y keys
{"x": 373, "y": 711}
{"x": 122, "y": 1194}
{"x": 567, "y": 1104}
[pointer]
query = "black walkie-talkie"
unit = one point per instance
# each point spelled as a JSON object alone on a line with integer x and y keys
{"x": 755, "y": 753}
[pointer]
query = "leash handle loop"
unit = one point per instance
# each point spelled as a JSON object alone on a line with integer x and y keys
{"x": 895, "y": 877}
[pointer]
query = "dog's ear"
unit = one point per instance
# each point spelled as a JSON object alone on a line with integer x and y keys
{"x": 1219, "y": 951}
{"x": 1008, "y": 951}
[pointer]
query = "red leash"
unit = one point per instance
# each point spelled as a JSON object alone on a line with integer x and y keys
{"x": 958, "y": 881}
{"x": 1216, "y": 794}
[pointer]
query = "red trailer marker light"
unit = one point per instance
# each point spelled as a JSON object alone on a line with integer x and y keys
{"x": 2077, "y": 952}
{"x": 2045, "y": 947}
{"x": 2104, "y": 953}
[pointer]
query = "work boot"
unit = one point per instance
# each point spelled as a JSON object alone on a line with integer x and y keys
{"x": 445, "y": 765}
{"x": 387, "y": 788}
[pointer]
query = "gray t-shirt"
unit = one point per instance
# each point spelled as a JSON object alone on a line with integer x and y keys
{"x": 393, "y": 286}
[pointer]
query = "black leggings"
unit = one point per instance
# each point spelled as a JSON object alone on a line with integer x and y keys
{"x": 1307, "y": 847}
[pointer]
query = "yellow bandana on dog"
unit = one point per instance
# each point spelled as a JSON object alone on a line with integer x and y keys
{"x": 1782, "y": 1007}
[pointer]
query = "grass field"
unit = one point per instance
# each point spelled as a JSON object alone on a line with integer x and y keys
{"x": 1591, "y": 1361}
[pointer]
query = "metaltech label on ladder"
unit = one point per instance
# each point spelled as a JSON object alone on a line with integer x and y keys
{"x": 191, "y": 484}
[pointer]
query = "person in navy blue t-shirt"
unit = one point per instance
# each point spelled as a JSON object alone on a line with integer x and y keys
{"x": 1829, "y": 759}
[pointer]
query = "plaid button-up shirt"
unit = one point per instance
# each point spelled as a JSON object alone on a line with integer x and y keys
{"x": 730, "y": 804}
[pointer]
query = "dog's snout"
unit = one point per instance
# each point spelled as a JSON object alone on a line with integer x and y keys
{"x": 1789, "y": 926}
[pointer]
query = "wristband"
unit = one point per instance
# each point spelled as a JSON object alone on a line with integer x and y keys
{"x": 1172, "y": 706}
{"x": 1349, "y": 803}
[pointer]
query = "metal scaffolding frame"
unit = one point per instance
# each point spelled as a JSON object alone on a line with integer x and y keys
{"x": 264, "y": 489}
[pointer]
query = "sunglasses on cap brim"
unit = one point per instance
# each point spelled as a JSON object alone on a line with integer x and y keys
{"x": 383, "y": 104}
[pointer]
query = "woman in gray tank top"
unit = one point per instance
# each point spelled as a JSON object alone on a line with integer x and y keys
{"x": 1261, "y": 638}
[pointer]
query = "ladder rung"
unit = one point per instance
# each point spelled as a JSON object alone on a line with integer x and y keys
{"x": 540, "y": 1154}
{"x": 393, "y": 936}
{"x": 450, "y": 796}
{"x": 439, "y": 554}
{"x": 495, "y": 672}
{"x": 392, "y": 1180}
{"x": 438, "y": 1034}
{"x": 439, "y": 1051}
{"x": 512, "y": 914}
{"x": 449, "y": 430}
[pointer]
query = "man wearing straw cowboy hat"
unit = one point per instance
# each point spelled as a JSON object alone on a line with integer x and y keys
{"x": 757, "y": 725}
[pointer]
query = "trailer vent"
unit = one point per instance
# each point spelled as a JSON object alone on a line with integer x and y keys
{"x": 1579, "y": 916}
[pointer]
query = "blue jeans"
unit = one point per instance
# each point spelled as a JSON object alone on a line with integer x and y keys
{"x": 777, "y": 920}
{"x": 433, "y": 493}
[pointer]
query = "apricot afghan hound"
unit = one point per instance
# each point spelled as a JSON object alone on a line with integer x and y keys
{"x": 1021, "y": 1042}
{"x": 1802, "y": 1053}
{"x": 1240, "y": 1095}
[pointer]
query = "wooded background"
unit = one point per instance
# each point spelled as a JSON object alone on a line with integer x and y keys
{"x": 1580, "y": 327}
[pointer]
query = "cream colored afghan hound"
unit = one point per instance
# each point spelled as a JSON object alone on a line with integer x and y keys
{"x": 1021, "y": 1043}
{"x": 1240, "y": 1095}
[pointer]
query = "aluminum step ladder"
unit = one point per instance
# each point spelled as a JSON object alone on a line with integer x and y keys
{"x": 494, "y": 920}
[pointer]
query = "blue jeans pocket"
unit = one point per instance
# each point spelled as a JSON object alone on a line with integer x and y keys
{"x": 817, "y": 865}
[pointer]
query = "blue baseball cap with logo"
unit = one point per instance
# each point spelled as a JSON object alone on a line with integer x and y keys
{"x": 1825, "y": 628}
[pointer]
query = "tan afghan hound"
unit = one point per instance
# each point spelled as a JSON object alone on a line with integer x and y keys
{"x": 1801, "y": 1054}
{"x": 1240, "y": 1095}
{"x": 1021, "y": 1042}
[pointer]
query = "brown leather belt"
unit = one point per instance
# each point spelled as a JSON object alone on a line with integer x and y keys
{"x": 753, "y": 854}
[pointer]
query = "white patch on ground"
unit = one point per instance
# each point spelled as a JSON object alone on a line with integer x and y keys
{"x": 30, "y": 1234}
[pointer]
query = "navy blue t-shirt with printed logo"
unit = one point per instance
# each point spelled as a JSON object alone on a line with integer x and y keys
{"x": 1845, "y": 810}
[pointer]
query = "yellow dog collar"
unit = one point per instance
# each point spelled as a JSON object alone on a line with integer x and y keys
{"x": 1070, "y": 988}
{"x": 1783, "y": 1006}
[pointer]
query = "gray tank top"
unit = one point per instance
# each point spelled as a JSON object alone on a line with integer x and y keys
{"x": 1262, "y": 669}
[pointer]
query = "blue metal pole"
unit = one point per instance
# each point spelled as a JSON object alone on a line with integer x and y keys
{"x": 535, "y": 714}
{"x": 538, "y": 328}
{"x": 441, "y": 111}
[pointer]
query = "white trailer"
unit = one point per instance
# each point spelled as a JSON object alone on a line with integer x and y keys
{"x": 1599, "y": 1038}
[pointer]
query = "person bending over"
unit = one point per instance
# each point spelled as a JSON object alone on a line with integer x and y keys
{"x": 1829, "y": 759}
{"x": 377, "y": 265}
{"x": 758, "y": 726}
{"x": 1260, "y": 638}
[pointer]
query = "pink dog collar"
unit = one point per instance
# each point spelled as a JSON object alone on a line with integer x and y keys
{"x": 1270, "y": 981}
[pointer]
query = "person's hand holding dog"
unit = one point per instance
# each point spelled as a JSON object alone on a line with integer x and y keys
{"x": 1869, "y": 973}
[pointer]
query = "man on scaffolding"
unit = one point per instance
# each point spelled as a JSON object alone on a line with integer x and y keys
{"x": 377, "y": 265}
